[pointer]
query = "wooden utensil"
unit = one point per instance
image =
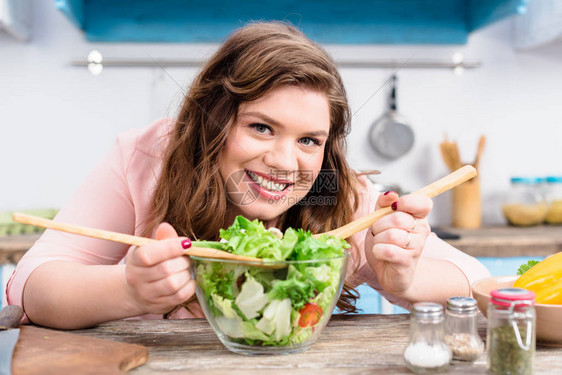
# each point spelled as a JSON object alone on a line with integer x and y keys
{"x": 444, "y": 148}
{"x": 443, "y": 184}
{"x": 480, "y": 151}
{"x": 124, "y": 238}
{"x": 450, "y": 154}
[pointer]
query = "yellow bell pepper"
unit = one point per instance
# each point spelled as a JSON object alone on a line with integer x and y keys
{"x": 545, "y": 279}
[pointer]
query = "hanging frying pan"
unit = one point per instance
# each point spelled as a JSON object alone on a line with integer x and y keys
{"x": 391, "y": 135}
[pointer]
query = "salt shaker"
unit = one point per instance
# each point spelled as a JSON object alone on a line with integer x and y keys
{"x": 511, "y": 331}
{"x": 427, "y": 351}
{"x": 461, "y": 333}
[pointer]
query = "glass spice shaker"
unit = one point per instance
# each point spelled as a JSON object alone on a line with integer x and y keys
{"x": 554, "y": 198}
{"x": 524, "y": 203}
{"x": 511, "y": 331}
{"x": 427, "y": 351}
{"x": 461, "y": 331}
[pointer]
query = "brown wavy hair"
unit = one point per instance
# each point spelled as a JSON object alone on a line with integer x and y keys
{"x": 190, "y": 193}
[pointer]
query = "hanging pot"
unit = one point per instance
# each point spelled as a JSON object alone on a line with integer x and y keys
{"x": 391, "y": 135}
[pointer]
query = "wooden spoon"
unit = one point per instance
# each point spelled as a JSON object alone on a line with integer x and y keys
{"x": 128, "y": 239}
{"x": 448, "y": 182}
{"x": 480, "y": 151}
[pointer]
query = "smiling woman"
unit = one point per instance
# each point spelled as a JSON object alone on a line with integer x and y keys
{"x": 261, "y": 134}
{"x": 278, "y": 141}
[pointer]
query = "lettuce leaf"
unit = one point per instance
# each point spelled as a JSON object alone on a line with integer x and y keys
{"x": 325, "y": 298}
{"x": 296, "y": 287}
{"x": 225, "y": 307}
{"x": 308, "y": 247}
{"x": 210, "y": 244}
{"x": 219, "y": 279}
{"x": 240, "y": 329}
{"x": 300, "y": 335}
{"x": 276, "y": 319}
{"x": 251, "y": 238}
{"x": 322, "y": 276}
{"x": 526, "y": 267}
{"x": 251, "y": 298}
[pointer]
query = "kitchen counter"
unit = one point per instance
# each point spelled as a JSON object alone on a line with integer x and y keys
{"x": 354, "y": 344}
{"x": 492, "y": 241}
{"x": 508, "y": 241}
{"x": 12, "y": 248}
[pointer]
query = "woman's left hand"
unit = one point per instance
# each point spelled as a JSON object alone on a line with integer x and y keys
{"x": 395, "y": 242}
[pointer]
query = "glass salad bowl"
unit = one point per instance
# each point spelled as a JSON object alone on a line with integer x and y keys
{"x": 277, "y": 310}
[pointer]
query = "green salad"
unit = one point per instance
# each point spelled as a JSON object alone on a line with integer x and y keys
{"x": 271, "y": 307}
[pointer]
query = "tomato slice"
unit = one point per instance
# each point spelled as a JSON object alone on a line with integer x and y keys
{"x": 310, "y": 315}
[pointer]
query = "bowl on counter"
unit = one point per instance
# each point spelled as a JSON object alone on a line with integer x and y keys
{"x": 549, "y": 317}
{"x": 279, "y": 310}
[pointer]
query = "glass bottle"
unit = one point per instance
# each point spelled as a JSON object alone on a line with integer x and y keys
{"x": 524, "y": 203}
{"x": 511, "y": 331}
{"x": 461, "y": 331}
{"x": 427, "y": 351}
{"x": 554, "y": 199}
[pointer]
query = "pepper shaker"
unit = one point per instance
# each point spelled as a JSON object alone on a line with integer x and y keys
{"x": 461, "y": 333}
{"x": 511, "y": 331}
{"x": 427, "y": 351}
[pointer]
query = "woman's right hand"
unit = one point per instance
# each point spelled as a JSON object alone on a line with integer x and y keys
{"x": 157, "y": 274}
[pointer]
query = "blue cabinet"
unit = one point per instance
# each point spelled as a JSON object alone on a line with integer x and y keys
{"x": 326, "y": 21}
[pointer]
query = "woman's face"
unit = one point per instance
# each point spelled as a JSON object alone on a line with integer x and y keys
{"x": 275, "y": 152}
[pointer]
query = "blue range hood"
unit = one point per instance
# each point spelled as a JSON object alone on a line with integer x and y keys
{"x": 325, "y": 21}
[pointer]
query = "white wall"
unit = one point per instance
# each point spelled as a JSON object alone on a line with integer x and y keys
{"x": 57, "y": 120}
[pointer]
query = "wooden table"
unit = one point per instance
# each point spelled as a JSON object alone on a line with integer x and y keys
{"x": 356, "y": 344}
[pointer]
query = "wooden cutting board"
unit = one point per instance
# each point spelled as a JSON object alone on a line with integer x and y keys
{"x": 46, "y": 351}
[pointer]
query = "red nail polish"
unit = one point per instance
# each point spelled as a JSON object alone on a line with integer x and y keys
{"x": 388, "y": 192}
{"x": 394, "y": 206}
{"x": 186, "y": 244}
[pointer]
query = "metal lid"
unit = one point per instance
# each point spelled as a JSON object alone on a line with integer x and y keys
{"x": 427, "y": 310}
{"x": 554, "y": 179}
{"x": 461, "y": 304}
{"x": 511, "y": 296}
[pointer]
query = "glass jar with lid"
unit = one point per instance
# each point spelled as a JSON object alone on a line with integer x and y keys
{"x": 554, "y": 200}
{"x": 427, "y": 352}
{"x": 524, "y": 203}
{"x": 461, "y": 330}
{"x": 511, "y": 331}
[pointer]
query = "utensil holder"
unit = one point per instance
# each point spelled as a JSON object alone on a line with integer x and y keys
{"x": 467, "y": 205}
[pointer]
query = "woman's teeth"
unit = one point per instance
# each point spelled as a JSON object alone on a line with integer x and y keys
{"x": 265, "y": 183}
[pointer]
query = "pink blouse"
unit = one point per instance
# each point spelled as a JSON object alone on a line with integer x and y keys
{"x": 116, "y": 196}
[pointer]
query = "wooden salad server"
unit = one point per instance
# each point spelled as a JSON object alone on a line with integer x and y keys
{"x": 448, "y": 182}
{"x": 128, "y": 239}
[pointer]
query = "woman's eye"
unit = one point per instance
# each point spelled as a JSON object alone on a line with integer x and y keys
{"x": 308, "y": 141}
{"x": 261, "y": 128}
